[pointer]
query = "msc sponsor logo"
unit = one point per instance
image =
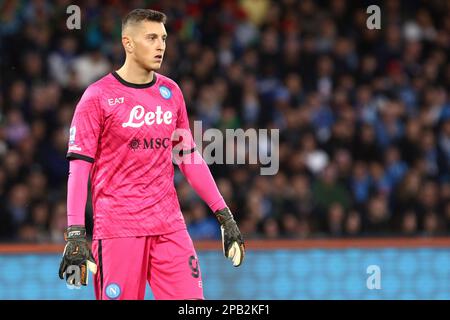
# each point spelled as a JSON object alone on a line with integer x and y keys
{"x": 134, "y": 144}
{"x": 151, "y": 143}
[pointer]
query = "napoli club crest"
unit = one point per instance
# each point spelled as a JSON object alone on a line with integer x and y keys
{"x": 165, "y": 92}
{"x": 113, "y": 291}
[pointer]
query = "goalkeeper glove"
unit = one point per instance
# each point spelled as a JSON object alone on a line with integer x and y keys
{"x": 232, "y": 241}
{"x": 77, "y": 254}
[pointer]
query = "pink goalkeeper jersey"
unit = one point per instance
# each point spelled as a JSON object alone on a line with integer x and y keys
{"x": 126, "y": 130}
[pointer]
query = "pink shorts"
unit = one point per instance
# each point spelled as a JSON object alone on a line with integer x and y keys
{"x": 168, "y": 262}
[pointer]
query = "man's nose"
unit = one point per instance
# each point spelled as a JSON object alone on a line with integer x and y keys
{"x": 161, "y": 45}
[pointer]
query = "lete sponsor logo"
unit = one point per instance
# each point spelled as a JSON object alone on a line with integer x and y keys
{"x": 138, "y": 117}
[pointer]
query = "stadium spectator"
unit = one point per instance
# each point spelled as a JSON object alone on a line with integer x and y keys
{"x": 364, "y": 115}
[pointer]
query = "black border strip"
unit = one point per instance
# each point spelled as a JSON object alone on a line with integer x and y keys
{"x": 185, "y": 152}
{"x": 73, "y": 155}
{"x": 100, "y": 265}
{"x": 134, "y": 85}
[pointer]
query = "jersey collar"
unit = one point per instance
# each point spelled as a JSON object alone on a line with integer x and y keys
{"x": 134, "y": 85}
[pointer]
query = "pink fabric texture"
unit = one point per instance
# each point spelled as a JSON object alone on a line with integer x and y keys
{"x": 77, "y": 188}
{"x": 126, "y": 131}
{"x": 199, "y": 176}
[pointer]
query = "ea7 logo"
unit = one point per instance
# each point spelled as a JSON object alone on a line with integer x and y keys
{"x": 114, "y": 101}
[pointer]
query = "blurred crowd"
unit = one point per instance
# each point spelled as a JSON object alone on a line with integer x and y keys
{"x": 364, "y": 115}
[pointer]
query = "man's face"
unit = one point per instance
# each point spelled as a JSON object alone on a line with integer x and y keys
{"x": 148, "y": 43}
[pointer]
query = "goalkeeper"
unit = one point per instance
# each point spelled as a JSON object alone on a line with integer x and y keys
{"x": 126, "y": 129}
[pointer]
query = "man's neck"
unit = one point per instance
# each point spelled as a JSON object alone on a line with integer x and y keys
{"x": 135, "y": 74}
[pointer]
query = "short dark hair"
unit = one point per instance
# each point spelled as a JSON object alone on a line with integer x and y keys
{"x": 138, "y": 15}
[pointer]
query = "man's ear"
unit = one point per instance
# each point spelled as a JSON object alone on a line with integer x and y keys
{"x": 128, "y": 44}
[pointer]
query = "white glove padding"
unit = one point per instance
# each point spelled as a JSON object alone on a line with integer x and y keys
{"x": 232, "y": 241}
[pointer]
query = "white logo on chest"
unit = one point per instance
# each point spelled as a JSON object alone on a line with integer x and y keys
{"x": 138, "y": 117}
{"x": 114, "y": 101}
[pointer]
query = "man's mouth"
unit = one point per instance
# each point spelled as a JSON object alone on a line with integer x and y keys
{"x": 159, "y": 57}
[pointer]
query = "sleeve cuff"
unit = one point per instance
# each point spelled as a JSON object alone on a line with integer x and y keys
{"x": 182, "y": 153}
{"x": 73, "y": 155}
{"x": 185, "y": 152}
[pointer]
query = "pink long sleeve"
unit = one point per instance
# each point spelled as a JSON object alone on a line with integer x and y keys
{"x": 77, "y": 188}
{"x": 199, "y": 177}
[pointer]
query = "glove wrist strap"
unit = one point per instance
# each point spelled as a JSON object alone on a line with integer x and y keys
{"x": 224, "y": 215}
{"x": 75, "y": 233}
